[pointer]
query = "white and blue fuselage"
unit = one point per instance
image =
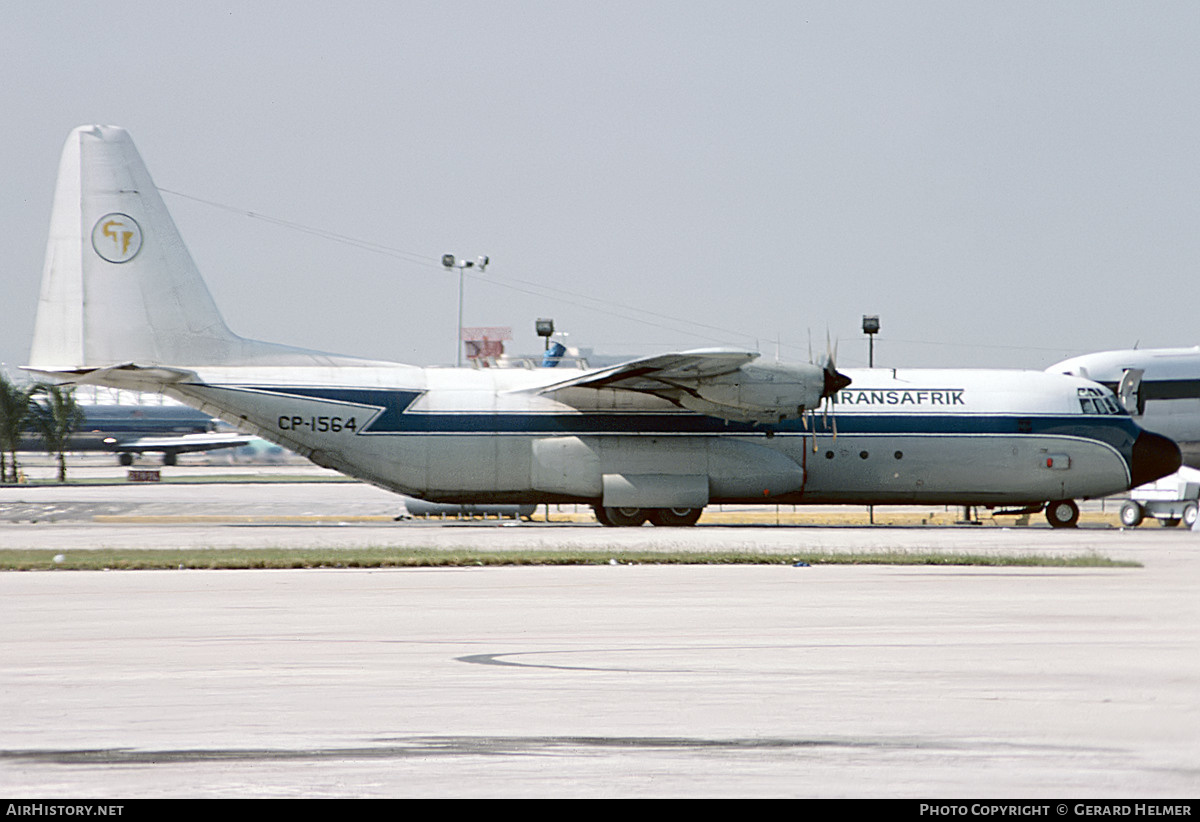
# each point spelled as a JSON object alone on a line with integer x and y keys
{"x": 956, "y": 436}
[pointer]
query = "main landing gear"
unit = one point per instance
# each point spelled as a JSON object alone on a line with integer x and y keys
{"x": 169, "y": 457}
{"x": 626, "y": 517}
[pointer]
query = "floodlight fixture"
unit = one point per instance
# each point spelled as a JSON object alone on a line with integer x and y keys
{"x": 544, "y": 328}
{"x": 449, "y": 261}
{"x": 871, "y": 328}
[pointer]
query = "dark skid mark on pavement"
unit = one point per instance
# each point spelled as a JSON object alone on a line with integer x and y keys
{"x": 416, "y": 747}
{"x": 497, "y": 659}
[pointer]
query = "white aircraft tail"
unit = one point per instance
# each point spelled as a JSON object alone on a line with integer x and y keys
{"x": 119, "y": 286}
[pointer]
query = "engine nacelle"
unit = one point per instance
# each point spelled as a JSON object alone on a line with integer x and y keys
{"x": 759, "y": 392}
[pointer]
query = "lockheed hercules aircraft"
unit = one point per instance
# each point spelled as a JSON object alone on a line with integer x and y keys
{"x": 656, "y": 439}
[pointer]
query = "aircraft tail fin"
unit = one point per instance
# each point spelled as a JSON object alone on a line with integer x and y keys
{"x": 119, "y": 286}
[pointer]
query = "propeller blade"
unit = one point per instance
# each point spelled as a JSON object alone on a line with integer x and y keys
{"x": 835, "y": 381}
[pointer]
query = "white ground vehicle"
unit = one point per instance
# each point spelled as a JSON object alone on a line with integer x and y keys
{"x": 1173, "y": 499}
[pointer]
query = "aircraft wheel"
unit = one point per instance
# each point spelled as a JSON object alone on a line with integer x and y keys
{"x": 625, "y": 517}
{"x": 1063, "y": 513}
{"x": 1132, "y": 514}
{"x": 674, "y": 517}
{"x": 1189, "y": 514}
{"x": 601, "y": 516}
{"x": 125, "y": 459}
{"x": 170, "y": 458}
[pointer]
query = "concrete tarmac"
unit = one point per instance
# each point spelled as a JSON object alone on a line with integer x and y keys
{"x": 609, "y": 681}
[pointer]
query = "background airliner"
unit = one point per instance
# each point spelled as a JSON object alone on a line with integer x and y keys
{"x": 127, "y": 430}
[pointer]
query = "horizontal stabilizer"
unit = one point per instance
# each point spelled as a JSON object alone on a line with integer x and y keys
{"x": 127, "y": 376}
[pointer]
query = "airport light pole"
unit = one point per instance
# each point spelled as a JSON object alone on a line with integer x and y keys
{"x": 871, "y": 328}
{"x": 450, "y": 261}
{"x": 544, "y": 328}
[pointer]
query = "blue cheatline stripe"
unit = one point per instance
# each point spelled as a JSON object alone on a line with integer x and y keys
{"x": 391, "y": 415}
{"x": 1170, "y": 389}
{"x": 1164, "y": 389}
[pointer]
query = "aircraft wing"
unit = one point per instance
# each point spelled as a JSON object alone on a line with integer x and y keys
{"x": 723, "y": 383}
{"x": 661, "y": 372}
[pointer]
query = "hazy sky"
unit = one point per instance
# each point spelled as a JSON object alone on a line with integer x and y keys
{"x": 1004, "y": 183}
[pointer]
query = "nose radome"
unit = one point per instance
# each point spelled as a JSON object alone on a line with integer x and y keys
{"x": 1154, "y": 456}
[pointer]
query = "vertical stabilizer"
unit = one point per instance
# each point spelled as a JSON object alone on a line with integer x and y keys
{"x": 119, "y": 285}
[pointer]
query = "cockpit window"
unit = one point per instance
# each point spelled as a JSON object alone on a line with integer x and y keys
{"x": 1098, "y": 401}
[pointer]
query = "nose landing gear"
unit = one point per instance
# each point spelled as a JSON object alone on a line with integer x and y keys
{"x": 1063, "y": 513}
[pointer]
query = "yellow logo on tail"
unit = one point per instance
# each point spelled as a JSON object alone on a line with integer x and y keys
{"x": 117, "y": 238}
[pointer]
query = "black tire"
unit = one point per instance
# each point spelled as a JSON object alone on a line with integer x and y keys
{"x": 601, "y": 517}
{"x": 170, "y": 458}
{"x": 675, "y": 517}
{"x": 1063, "y": 513}
{"x": 625, "y": 517}
{"x": 125, "y": 458}
{"x": 1132, "y": 514}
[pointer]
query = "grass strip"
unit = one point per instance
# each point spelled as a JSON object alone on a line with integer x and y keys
{"x": 280, "y": 558}
{"x": 182, "y": 479}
